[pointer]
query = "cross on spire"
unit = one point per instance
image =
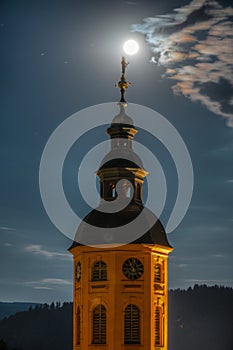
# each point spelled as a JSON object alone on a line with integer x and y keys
{"x": 123, "y": 84}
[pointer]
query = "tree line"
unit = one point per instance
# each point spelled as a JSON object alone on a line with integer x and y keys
{"x": 199, "y": 317}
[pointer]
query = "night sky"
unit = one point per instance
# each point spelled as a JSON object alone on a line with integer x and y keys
{"x": 58, "y": 57}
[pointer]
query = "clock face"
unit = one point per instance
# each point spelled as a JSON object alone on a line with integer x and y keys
{"x": 133, "y": 268}
{"x": 78, "y": 271}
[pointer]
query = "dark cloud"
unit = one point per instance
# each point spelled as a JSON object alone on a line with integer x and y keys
{"x": 195, "y": 45}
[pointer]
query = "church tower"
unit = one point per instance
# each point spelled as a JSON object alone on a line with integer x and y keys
{"x": 120, "y": 288}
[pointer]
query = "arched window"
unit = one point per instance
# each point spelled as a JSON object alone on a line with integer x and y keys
{"x": 158, "y": 326}
{"x": 78, "y": 326}
{"x": 99, "y": 271}
{"x": 125, "y": 188}
{"x": 99, "y": 325}
{"x": 138, "y": 192}
{"x": 158, "y": 272}
{"x": 128, "y": 192}
{"x": 132, "y": 324}
{"x": 112, "y": 186}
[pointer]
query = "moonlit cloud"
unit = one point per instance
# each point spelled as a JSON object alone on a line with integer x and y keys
{"x": 47, "y": 283}
{"x": 38, "y": 249}
{"x": 219, "y": 256}
{"x": 209, "y": 281}
{"x": 195, "y": 45}
{"x": 6, "y": 228}
{"x": 132, "y": 3}
{"x": 183, "y": 265}
{"x": 55, "y": 281}
{"x": 8, "y": 244}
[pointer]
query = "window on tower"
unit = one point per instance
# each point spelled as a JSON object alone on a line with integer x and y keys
{"x": 99, "y": 325}
{"x": 112, "y": 186}
{"x": 158, "y": 272}
{"x": 99, "y": 271}
{"x": 158, "y": 326}
{"x": 138, "y": 192}
{"x": 125, "y": 188}
{"x": 78, "y": 326}
{"x": 132, "y": 324}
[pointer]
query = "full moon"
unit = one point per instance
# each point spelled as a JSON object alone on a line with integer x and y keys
{"x": 131, "y": 47}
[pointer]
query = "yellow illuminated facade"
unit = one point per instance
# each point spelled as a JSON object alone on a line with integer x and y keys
{"x": 113, "y": 312}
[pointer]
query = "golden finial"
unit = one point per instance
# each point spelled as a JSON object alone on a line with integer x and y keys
{"x": 123, "y": 84}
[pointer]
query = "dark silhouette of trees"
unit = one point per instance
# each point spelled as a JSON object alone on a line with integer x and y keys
{"x": 3, "y": 345}
{"x": 44, "y": 327}
{"x": 7, "y": 309}
{"x": 199, "y": 317}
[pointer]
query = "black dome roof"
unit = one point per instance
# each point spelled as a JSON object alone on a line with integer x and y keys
{"x": 115, "y": 158}
{"x": 119, "y": 163}
{"x": 155, "y": 235}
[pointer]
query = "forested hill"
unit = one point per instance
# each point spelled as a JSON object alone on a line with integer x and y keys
{"x": 40, "y": 328}
{"x": 199, "y": 318}
{"x": 7, "y": 309}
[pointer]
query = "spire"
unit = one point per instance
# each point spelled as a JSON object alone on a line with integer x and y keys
{"x": 121, "y": 176}
{"x": 123, "y": 84}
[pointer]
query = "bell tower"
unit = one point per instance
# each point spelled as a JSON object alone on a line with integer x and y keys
{"x": 120, "y": 288}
